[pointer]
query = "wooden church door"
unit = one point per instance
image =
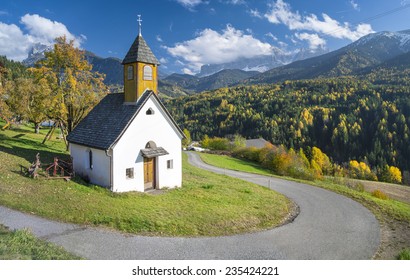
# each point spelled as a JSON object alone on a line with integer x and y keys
{"x": 149, "y": 173}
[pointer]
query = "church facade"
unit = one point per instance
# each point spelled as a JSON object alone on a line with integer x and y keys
{"x": 129, "y": 141}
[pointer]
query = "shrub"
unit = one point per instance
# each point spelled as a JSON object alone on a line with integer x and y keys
{"x": 250, "y": 153}
{"x": 404, "y": 254}
{"x": 216, "y": 143}
{"x": 357, "y": 186}
{"x": 380, "y": 194}
{"x": 237, "y": 142}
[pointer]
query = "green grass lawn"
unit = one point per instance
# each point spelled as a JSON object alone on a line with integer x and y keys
{"x": 22, "y": 245}
{"x": 232, "y": 163}
{"x": 207, "y": 205}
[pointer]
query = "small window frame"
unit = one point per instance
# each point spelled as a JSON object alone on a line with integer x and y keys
{"x": 130, "y": 72}
{"x": 129, "y": 173}
{"x": 90, "y": 159}
{"x": 147, "y": 73}
{"x": 150, "y": 111}
{"x": 170, "y": 164}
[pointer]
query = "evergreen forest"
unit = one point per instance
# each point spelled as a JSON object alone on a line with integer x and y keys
{"x": 363, "y": 118}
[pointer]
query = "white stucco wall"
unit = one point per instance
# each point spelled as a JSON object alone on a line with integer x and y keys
{"x": 100, "y": 172}
{"x": 126, "y": 152}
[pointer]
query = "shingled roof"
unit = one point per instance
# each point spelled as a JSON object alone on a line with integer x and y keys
{"x": 106, "y": 123}
{"x": 140, "y": 52}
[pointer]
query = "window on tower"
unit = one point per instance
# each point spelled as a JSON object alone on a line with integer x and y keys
{"x": 130, "y": 71}
{"x": 147, "y": 73}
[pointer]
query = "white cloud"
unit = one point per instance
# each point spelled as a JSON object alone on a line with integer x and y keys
{"x": 355, "y": 5}
{"x": 190, "y": 4}
{"x": 236, "y": 2}
{"x": 15, "y": 43}
{"x": 159, "y": 39}
{"x": 163, "y": 60}
{"x": 3, "y": 13}
{"x": 280, "y": 13}
{"x": 45, "y": 31}
{"x": 270, "y": 35}
{"x": 212, "y": 47}
{"x": 255, "y": 13}
{"x": 313, "y": 40}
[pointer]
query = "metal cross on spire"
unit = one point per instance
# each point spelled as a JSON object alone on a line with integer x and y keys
{"x": 139, "y": 25}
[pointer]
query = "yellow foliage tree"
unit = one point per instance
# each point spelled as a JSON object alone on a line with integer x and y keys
{"x": 391, "y": 174}
{"x": 322, "y": 160}
{"x": 75, "y": 89}
{"x": 395, "y": 174}
{"x": 360, "y": 170}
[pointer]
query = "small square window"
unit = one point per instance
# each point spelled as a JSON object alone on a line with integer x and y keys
{"x": 129, "y": 173}
{"x": 170, "y": 164}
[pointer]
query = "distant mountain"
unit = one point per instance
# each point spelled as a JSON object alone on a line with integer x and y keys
{"x": 36, "y": 53}
{"x": 111, "y": 67}
{"x": 366, "y": 53}
{"x": 261, "y": 63}
{"x": 223, "y": 78}
{"x": 400, "y": 62}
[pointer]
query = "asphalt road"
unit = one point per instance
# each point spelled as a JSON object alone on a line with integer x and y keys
{"x": 329, "y": 226}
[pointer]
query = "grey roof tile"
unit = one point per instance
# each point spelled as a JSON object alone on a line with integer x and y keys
{"x": 140, "y": 52}
{"x": 109, "y": 119}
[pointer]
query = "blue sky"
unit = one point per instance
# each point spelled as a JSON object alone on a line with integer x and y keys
{"x": 185, "y": 34}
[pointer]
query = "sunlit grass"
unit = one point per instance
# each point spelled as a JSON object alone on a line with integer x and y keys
{"x": 207, "y": 204}
{"x": 22, "y": 245}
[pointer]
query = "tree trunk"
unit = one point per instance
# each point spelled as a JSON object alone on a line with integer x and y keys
{"x": 37, "y": 128}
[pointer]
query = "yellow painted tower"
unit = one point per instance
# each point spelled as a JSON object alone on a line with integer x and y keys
{"x": 140, "y": 69}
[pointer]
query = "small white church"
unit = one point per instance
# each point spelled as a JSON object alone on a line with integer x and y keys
{"x": 129, "y": 141}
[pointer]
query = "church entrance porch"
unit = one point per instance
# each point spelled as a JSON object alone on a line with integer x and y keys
{"x": 149, "y": 173}
{"x": 150, "y": 154}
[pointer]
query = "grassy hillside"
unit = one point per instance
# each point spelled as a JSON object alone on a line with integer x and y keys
{"x": 207, "y": 204}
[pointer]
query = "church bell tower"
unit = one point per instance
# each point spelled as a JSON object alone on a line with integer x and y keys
{"x": 140, "y": 69}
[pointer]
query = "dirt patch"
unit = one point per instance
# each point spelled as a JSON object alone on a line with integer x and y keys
{"x": 397, "y": 192}
{"x": 394, "y": 237}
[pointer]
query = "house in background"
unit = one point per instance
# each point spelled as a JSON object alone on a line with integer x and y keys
{"x": 257, "y": 143}
{"x": 129, "y": 141}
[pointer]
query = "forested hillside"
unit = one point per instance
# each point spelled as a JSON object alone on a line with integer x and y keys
{"x": 365, "y": 118}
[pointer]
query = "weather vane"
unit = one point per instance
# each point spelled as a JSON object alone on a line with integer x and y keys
{"x": 139, "y": 24}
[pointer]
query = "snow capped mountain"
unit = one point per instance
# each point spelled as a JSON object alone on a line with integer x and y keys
{"x": 366, "y": 53}
{"x": 400, "y": 40}
{"x": 261, "y": 63}
{"x": 36, "y": 53}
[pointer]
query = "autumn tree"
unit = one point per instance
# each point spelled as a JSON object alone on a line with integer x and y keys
{"x": 75, "y": 89}
{"x": 390, "y": 174}
{"x": 4, "y": 109}
{"x": 29, "y": 99}
{"x": 187, "y": 140}
{"x": 360, "y": 170}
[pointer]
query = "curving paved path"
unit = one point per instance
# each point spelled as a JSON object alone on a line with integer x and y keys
{"x": 329, "y": 226}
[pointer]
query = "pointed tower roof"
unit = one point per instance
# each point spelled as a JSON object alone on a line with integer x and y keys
{"x": 140, "y": 52}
